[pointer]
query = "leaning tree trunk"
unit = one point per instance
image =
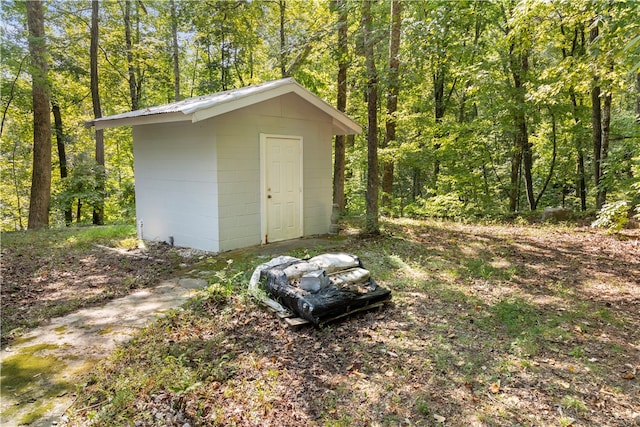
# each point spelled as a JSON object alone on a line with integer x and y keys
{"x": 372, "y": 226}
{"x": 98, "y": 209}
{"x": 392, "y": 100}
{"x": 343, "y": 64}
{"x": 41, "y": 175}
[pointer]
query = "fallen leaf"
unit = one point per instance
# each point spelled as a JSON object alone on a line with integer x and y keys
{"x": 439, "y": 418}
{"x": 628, "y": 376}
{"x": 495, "y": 387}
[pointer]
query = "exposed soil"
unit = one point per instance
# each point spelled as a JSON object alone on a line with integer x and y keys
{"x": 41, "y": 281}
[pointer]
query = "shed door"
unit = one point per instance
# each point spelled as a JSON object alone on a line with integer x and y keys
{"x": 281, "y": 187}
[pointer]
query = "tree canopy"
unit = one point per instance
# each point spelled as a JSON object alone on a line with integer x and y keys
{"x": 501, "y": 106}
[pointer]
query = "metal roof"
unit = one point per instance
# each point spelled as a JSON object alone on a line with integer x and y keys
{"x": 207, "y": 106}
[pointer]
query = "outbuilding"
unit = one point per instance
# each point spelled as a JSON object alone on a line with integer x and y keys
{"x": 234, "y": 169}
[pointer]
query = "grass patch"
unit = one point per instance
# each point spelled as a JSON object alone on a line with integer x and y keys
{"x": 19, "y": 370}
{"x": 21, "y": 374}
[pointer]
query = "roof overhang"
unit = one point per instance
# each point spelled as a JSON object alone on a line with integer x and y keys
{"x": 205, "y": 107}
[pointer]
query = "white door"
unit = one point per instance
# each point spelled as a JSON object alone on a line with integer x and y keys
{"x": 281, "y": 187}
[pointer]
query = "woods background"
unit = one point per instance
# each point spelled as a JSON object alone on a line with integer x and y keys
{"x": 470, "y": 108}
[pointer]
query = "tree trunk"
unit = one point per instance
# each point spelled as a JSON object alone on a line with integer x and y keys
{"x": 62, "y": 157}
{"x": 522, "y": 156}
{"x": 98, "y": 210}
{"x": 174, "y": 50}
{"x": 596, "y": 122}
{"x": 581, "y": 185}
{"x": 41, "y": 175}
{"x": 601, "y": 197}
{"x": 133, "y": 88}
{"x": 554, "y": 141}
{"x": 514, "y": 190}
{"x": 282, "y": 6}
{"x": 438, "y": 97}
{"x": 523, "y": 135}
{"x": 372, "y": 226}
{"x": 339, "y": 154}
{"x": 392, "y": 101}
{"x": 638, "y": 98}
{"x": 596, "y": 125}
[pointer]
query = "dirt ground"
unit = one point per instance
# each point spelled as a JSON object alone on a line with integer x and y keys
{"x": 41, "y": 281}
{"x": 489, "y": 325}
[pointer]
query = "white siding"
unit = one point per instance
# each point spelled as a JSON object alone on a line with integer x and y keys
{"x": 238, "y": 136}
{"x": 200, "y": 183}
{"x": 176, "y": 184}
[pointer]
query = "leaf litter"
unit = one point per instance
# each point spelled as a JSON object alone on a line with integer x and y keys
{"x": 489, "y": 325}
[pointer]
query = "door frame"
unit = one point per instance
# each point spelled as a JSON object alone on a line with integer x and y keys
{"x": 263, "y": 183}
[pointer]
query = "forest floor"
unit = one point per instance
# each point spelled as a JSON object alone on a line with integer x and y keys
{"x": 489, "y": 325}
{"x": 51, "y": 273}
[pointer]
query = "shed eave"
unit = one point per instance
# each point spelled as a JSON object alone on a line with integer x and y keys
{"x": 115, "y": 121}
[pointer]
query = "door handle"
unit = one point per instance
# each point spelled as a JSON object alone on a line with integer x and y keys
{"x": 269, "y": 196}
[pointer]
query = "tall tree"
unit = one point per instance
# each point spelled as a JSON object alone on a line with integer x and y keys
{"x": 393, "y": 89}
{"x": 282, "y": 9}
{"x": 519, "y": 63}
{"x": 98, "y": 209}
{"x": 62, "y": 156}
{"x": 342, "y": 52}
{"x": 174, "y": 50}
{"x": 575, "y": 50}
{"x": 596, "y": 117}
{"x": 372, "y": 225}
{"x": 133, "y": 87}
{"x": 41, "y": 174}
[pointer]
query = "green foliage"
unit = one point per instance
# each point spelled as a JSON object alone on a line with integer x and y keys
{"x": 454, "y": 146}
{"x": 613, "y": 216}
{"x": 81, "y": 185}
{"x": 440, "y": 206}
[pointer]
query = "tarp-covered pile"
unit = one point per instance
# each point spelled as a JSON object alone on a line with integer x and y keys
{"x": 320, "y": 289}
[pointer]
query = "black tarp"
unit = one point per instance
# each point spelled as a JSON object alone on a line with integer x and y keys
{"x": 330, "y": 302}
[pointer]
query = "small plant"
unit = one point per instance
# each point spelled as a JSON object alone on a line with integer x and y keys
{"x": 571, "y": 402}
{"x": 612, "y": 216}
{"x": 423, "y": 408}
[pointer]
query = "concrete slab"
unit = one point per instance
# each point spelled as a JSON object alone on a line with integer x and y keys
{"x": 69, "y": 346}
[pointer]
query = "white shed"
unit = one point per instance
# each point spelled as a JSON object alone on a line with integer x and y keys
{"x": 236, "y": 168}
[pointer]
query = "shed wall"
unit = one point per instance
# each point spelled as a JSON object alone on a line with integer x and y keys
{"x": 238, "y": 136}
{"x": 176, "y": 184}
